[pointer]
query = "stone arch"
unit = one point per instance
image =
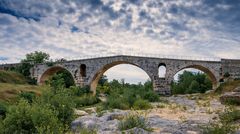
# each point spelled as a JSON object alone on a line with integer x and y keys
{"x": 50, "y": 72}
{"x": 97, "y": 75}
{"x": 210, "y": 73}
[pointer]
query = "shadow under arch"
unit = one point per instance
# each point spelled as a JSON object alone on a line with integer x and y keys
{"x": 103, "y": 69}
{"x": 207, "y": 71}
{"x": 50, "y": 72}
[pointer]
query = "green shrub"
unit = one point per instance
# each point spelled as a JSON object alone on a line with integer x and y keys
{"x": 189, "y": 82}
{"x": 116, "y": 102}
{"x": 24, "y": 118}
{"x": 62, "y": 103}
{"x": 3, "y": 110}
{"x": 231, "y": 101}
{"x": 226, "y": 125}
{"x": 151, "y": 96}
{"x": 141, "y": 104}
{"x": 134, "y": 120}
{"x": 79, "y": 91}
{"x": 1, "y": 126}
{"x": 18, "y": 119}
{"x": 29, "y": 96}
{"x": 45, "y": 120}
{"x": 86, "y": 100}
{"x": 230, "y": 116}
{"x": 217, "y": 128}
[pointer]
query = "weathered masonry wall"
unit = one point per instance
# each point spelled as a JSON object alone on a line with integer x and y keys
{"x": 89, "y": 71}
{"x": 232, "y": 67}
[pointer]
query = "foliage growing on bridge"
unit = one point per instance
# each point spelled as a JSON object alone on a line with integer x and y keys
{"x": 28, "y": 62}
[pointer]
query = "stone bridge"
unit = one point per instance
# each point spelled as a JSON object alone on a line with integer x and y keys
{"x": 89, "y": 71}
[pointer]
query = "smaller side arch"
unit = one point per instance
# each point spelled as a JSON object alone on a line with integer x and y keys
{"x": 50, "y": 72}
{"x": 210, "y": 73}
{"x": 162, "y": 70}
{"x": 83, "y": 68}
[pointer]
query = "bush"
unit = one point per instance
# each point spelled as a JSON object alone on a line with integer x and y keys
{"x": 3, "y": 110}
{"x": 151, "y": 96}
{"x": 29, "y": 96}
{"x": 18, "y": 119}
{"x": 116, "y": 102}
{"x": 230, "y": 116}
{"x": 134, "y": 120}
{"x": 45, "y": 120}
{"x": 217, "y": 128}
{"x": 189, "y": 82}
{"x": 141, "y": 104}
{"x": 86, "y": 100}
{"x": 61, "y": 102}
{"x": 79, "y": 91}
{"x": 226, "y": 125}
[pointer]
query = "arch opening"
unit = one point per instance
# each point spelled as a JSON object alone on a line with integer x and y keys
{"x": 57, "y": 70}
{"x": 162, "y": 70}
{"x": 119, "y": 69}
{"x": 193, "y": 79}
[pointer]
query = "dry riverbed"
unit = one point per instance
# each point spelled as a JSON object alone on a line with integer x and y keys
{"x": 183, "y": 114}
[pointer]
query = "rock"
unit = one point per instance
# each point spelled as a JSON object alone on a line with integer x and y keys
{"x": 108, "y": 123}
{"x": 230, "y": 97}
{"x": 237, "y": 89}
{"x": 192, "y": 132}
{"x": 80, "y": 112}
{"x": 89, "y": 122}
{"x": 90, "y": 110}
{"x": 117, "y": 114}
{"x": 136, "y": 130}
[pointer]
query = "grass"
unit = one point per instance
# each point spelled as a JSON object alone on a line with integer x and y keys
{"x": 12, "y": 77}
{"x": 228, "y": 86}
{"x": 9, "y": 92}
{"x": 227, "y": 123}
{"x": 134, "y": 120}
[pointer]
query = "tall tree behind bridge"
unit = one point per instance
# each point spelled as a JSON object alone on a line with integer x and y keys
{"x": 31, "y": 59}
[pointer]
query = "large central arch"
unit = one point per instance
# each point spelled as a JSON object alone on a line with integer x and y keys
{"x": 97, "y": 75}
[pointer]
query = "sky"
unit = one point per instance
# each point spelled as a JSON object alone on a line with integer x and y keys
{"x": 73, "y": 29}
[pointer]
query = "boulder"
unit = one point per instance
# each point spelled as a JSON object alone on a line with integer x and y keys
{"x": 237, "y": 89}
{"x": 90, "y": 110}
{"x": 136, "y": 130}
{"x": 105, "y": 124}
{"x": 230, "y": 98}
{"x": 80, "y": 112}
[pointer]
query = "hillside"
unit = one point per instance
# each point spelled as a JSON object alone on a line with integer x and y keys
{"x": 12, "y": 83}
{"x": 12, "y": 77}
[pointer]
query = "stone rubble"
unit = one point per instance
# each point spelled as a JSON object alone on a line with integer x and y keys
{"x": 163, "y": 120}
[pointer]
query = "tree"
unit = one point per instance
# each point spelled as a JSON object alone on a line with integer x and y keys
{"x": 189, "y": 82}
{"x": 36, "y": 57}
{"x": 102, "y": 80}
{"x": 31, "y": 59}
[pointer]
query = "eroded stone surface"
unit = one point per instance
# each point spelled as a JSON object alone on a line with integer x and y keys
{"x": 171, "y": 119}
